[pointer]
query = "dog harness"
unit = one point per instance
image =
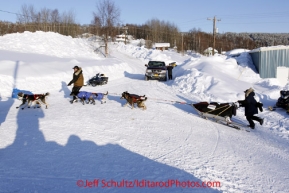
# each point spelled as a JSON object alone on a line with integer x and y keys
{"x": 135, "y": 97}
{"x": 36, "y": 96}
{"x": 82, "y": 94}
{"x": 98, "y": 96}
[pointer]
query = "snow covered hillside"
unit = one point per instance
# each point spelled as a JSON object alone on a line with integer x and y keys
{"x": 110, "y": 148}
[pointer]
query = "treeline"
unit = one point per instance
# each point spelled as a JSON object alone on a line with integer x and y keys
{"x": 268, "y": 39}
{"x": 197, "y": 40}
{"x": 29, "y": 19}
{"x": 160, "y": 31}
{"x": 153, "y": 31}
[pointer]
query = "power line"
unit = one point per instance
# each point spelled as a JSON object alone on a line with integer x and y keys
{"x": 11, "y": 13}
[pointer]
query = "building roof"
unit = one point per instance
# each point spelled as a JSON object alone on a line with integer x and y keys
{"x": 162, "y": 45}
{"x": 210, "y": 49}
{"x": 280, "y": 47}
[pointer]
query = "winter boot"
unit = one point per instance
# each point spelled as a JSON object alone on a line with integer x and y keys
{"x": 261, "y": 121}
{"x": 252, "y": 127}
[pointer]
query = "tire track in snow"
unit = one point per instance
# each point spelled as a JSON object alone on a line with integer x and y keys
{"x": 180, "y": 146}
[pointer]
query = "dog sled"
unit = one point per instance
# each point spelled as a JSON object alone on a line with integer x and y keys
{"x": 282, "y": 102}
{"x": 219, "y": 112}
{"x": 98, "y": 79}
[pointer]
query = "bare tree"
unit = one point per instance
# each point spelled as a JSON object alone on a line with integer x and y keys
{"x": 45, "y": 17}
{"x": 55, "y": 18}
{"x": 106, "y": 17}
{"x": 26, "y": 15}
{"x": 68, "y": 20}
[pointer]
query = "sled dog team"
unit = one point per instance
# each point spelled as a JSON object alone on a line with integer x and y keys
{"x": 83, "y": 96}
{"x": 250, "y": 104}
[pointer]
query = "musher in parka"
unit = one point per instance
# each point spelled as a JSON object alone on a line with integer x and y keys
{"x": 77, "y": 81}
{"x": 251, "y": 108}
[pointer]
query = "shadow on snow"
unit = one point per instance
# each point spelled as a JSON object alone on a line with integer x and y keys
{"x": 134, "y": 76}
{"x": 32, "y": 164}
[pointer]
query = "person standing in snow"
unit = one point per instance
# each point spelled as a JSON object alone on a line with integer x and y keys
{"x": 251, "y": 108}
{"x": 170, "y": 71}
{"x": 77, "y": 81}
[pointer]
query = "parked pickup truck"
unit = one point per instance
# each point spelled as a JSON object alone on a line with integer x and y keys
{"x": 156, "y": 70}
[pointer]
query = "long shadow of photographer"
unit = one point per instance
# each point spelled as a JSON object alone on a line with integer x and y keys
{"x": 32, "y": 164}
{"x": 5, "y": 107}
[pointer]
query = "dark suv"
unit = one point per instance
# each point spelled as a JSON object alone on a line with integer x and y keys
{"x": 156, "y": 70}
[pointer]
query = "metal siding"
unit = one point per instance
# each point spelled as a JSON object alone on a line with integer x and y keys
{"x": 256, "y": 59}
{"x": 285, "y": 57}
{"x": 270, "y": 60}
{"x": 266, "y": 61}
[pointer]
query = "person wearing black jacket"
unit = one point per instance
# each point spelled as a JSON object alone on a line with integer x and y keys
{"x": 170, "y": 72}
{"x": 77, "y": 81}
{"x": 251, "y": 108}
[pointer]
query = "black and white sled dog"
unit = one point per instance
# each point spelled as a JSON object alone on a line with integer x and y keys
{"x": 90, "y": 97}
{"x": 30, "y": 98}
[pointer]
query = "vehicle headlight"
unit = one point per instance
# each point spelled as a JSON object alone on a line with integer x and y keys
{"x": 163, "y": 71}
{"x": 149, "y": 70}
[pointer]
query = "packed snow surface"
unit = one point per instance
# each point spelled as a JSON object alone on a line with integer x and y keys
{"x": 111, "y": 148}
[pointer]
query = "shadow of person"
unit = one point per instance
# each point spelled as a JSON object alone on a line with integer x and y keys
{"x": 116, "y": 98}
{"x": 5, "y": 106}
{"x": 32, "y": 164}
{"x": 65, "y": 90}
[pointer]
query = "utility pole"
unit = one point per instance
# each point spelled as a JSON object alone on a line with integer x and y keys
{"x": 125, "y": 32}
{"x": 182, "y": 44}
{"x": 214, "y": 31}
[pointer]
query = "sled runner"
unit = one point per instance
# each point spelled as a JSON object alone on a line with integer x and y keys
{"x": 98, "y": 79}
{"x": 219, "y": 112}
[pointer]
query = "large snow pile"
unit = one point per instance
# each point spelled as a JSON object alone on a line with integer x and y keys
{"x": 47, "y": 43}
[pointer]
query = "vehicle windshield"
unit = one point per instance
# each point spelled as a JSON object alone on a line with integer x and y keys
{"x": 156, "y": 63}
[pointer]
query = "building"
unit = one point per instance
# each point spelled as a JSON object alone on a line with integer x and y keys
{"x": 123, "y": 38}
{"x": 272, "y": 62}
{"x": 209, "y": 51}
{"x": 162, "y": 46}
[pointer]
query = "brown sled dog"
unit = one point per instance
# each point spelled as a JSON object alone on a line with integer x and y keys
{"x": 134, "y": 99}
{"x": 37, "y": 98}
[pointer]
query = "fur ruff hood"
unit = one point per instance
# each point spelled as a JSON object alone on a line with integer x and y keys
{"x": 78, "y": 71}
{"x": 248, "y": 91}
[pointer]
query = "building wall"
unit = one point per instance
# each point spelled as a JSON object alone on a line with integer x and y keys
{"x": 267, "y": 61}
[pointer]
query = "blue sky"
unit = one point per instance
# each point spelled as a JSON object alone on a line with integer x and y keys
{"x": 265, "y": 16}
